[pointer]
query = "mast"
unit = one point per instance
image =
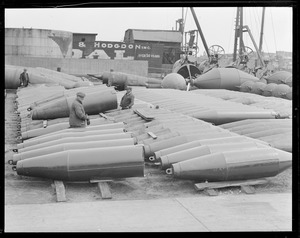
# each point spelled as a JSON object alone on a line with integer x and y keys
{"x": 262, "y": 30}
{"x": 200, "y": 31}
{"x": 236, "y": 34}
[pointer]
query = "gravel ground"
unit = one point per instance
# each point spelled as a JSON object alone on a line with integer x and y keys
{"x": 156, "y": 183}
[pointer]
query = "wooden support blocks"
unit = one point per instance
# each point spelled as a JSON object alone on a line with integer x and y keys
{"x": 104, "y": 188}
{"x": 246, "y": 186}
{"x": 211, "y": 192}
{"x": 60, "y": 191}
{"x": 248, "y": 189}
{"x": 145, "y": 114}
{"x": 152, "y": 135}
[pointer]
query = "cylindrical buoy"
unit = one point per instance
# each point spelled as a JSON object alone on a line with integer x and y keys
{"x": 71, "y": 146}
{"x": 268, "y": 132}
{"x": 116, "y": 136}
{"x": 35, "y": 141}
{"x": 260, "y": 127}
{"x": 85, "y": 129}
{"x": 238, "y": 126}
{"x": 122, "y": 79}
{"x": 196, "y": 143}
{"x": 234, "y": 165}
{"x": 86, "y": 165}
{"x": 150, "y": 149}
{"x": 218, "y": 117}
{"x": 167, "y": 160}
{"x": 66, "y": 93}
{"x": 283, "y": 143}
{"x": 93, "y": 103}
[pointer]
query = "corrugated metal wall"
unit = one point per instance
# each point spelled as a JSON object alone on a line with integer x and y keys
{"x": 81, "y": 66}
{"x": 38, "y": 42}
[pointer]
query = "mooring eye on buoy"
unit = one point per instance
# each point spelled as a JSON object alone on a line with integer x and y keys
{"x": 151, "y": 158}
{"x": 169, "y": 171}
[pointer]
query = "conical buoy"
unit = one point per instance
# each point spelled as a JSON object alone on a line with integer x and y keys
{"x": 234, "y": 165}
{"x": 223, "y": 78}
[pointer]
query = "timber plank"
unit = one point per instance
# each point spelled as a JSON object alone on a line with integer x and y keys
{"x": 60, "y": 191}
{"x": 238, "y": 183}
{"x": 248, "y": 189}
{"x": 144, "y": 114}
{"x": 104, "y": 190}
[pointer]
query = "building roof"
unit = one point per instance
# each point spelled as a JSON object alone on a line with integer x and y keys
{"x": 156, "y": 35}
{"x": 84, "y": 33}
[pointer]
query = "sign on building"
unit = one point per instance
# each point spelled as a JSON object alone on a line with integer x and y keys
{"x": 119, "y": 50}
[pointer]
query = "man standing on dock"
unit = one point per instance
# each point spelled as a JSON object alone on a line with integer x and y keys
{"x": 24, "y": 78}
{"x": 127, "y": 100}
{"x": 78, "y": 116}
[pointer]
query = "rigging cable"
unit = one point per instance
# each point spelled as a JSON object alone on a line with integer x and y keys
{"x": 273, "y": 30}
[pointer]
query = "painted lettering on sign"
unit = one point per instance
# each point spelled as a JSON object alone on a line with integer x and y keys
{"x": 112, "y": 45}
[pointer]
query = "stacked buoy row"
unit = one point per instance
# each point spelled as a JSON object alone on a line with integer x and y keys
{"x": 118, "y": 142}
{"x": 268, "y": 90}
{"x": 277, "y": 85}
{"x": 278, "y": 133}
{"x": 203, "y": 107}
{"x": 41, "y": 76}
{"x": 98, "y": 99}
{"x": 124, "y": 79}
{"x": 282, "y": 107}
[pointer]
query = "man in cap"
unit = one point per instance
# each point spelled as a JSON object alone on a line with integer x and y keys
{"x": 127, "y": 100}
{"x": 78, "y": 116}
{"x": 24, "y": 78}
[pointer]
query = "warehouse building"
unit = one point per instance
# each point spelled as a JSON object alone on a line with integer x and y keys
{"x": 165, "y": 46}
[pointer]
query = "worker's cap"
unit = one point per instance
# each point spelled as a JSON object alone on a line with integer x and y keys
{"x": 80, "y": 94}
{"x": 25, "y": 69}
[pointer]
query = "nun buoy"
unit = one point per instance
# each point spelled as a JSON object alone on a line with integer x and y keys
{"x": 246, "y": 86}
{"x": 267, "y": 92}
{"x": 258, "y": 88}
{"x": 281, "y": 77}
{"x": 281, "y": 91}
{"x": 223, "y": 78}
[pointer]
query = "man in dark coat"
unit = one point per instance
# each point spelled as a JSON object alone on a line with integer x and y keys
{"x": 127, "y": 100}
{"x": 78, "y": 117}
{"x": 24, "y": 78}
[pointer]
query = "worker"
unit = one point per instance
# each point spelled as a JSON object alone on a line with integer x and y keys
{"x": 78, "y": 117}
{"x": 127, "y": 100}
{"x": 24, "y": 78}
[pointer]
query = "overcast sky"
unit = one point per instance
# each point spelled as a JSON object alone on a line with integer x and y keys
{"x": 110, "y": 24}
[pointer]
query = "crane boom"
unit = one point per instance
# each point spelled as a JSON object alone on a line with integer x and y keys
{"x": 200, "y": 31}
